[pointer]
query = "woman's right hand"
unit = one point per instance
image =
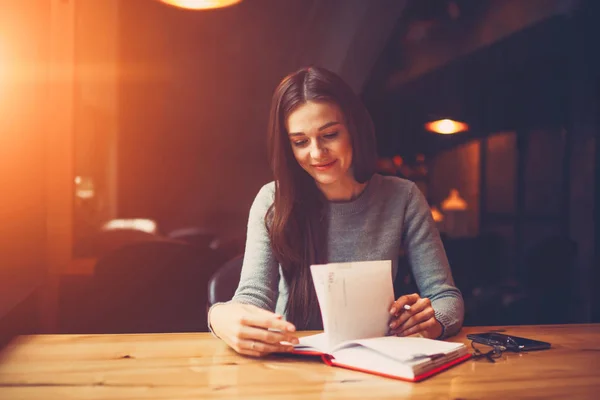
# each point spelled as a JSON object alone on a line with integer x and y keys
{"x": 252, "y": 331}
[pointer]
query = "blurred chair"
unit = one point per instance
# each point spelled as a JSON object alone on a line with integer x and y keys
{"x": 104, "y": 242}
{"x": 224, "y": 282}
{"x": 480, "y": 270}
{"x": 477, "y": 262}
{"x": 550, "y": 280}
{"x": 156, "y": 286}
{"x": 230, "y": 246}
{"x": 550, "y": 263}
{"x": 196, "y": 236}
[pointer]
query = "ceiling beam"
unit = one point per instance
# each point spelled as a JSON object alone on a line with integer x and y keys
{"x": 499, "y": 20}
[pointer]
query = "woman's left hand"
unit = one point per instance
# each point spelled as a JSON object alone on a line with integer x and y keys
{"x": 419, "y": 319}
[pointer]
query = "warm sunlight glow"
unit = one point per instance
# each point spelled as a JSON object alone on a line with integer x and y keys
{"x": 2, "y": 71}
{"x": 446, "y": 126}
{"x": 200, "y": 4}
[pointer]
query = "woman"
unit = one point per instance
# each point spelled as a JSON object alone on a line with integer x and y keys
{"x": 327, "y": 204}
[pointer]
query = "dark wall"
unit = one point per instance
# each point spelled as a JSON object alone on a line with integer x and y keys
{"x": 195, "y": 94}
{"x": 194, "y": 103}
{"x": 538, "y": 183}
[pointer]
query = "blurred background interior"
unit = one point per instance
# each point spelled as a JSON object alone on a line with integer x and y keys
{"x": 132, "y": 143}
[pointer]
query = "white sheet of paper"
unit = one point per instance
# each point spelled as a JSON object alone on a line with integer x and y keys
{"x": 319, "y": 276}
{"x": 313, "y": 342}
{"x": 405, "y": 348}
{"x": 356, "y": 299}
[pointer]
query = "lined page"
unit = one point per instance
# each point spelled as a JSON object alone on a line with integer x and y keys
{"x": 405, "y": 348}
{"x": 319, "y": 275}
{"x": 316, "y": 342}
{"x": 355, "y": 299}
{"x": 373, "y": 362}
{"x": 396, "y": 356}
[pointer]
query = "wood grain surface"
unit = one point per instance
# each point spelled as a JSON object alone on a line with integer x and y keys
{"x": 199, "y": 366}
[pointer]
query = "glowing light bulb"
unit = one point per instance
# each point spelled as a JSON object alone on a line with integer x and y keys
{"x": 446, "y": 126}
{"x": 200, "y": 4}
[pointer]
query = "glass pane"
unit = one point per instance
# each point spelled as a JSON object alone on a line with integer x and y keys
{"x": 458, "y": 168}
{"x": 500, "y": 173}
{"x": 543, "y": 172}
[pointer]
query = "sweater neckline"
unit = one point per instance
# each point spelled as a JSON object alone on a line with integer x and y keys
{"x": 359, "y": 203}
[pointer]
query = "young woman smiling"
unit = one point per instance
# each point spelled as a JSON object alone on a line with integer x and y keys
{"x": 327, "y": 204}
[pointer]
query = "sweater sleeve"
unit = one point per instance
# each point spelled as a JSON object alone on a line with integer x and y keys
{"x": 259, "y": 281}
{"x": 429, "y": 264}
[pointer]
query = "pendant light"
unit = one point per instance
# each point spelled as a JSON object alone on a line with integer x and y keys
{"x": 200, "y": 4}
{"x": 446, "y": 126}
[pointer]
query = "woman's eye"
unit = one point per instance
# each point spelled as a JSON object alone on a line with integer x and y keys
{"x": 300, "y": 143}
{"x": 330, "y": 135}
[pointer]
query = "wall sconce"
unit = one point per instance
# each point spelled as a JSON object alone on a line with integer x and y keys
{"x": 446, "y": 126}
{"x": 454, "y": 202}
{"x": 456, "y": 218}
{"x": 200, "y": 4}
{"x": 84, "y": 187}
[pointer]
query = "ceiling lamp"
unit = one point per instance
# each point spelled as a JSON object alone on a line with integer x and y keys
{"x": 446, "y": 126}
{"x": 200, "y": 4}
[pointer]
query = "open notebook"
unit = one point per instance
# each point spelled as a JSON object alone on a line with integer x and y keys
{"x": 354, "y": 299}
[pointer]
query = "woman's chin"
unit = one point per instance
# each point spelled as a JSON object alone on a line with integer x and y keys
{"x": 331, "y": 176}
{"x": 325, "y": 178}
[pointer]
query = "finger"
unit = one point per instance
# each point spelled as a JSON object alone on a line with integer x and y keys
{"x": 250, "y": 353}
{"x": 261, "y": 347}
{"x": 266, "y": 336}
{"x": 417, "y": 307}
{"x": 407, "y": 299}
{"x": 236, "y": 344}
{"x": 421, "y": 327}
{"x": 416, "y": 319}
{"x": 267, "y": 321}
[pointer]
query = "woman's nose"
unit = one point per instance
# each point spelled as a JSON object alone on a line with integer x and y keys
{"x": 317, "y": 152}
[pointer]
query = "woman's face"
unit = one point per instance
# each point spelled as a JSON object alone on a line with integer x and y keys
{"x": 321, "y": 142}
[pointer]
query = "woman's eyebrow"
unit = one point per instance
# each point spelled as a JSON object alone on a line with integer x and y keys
{"x": 327, "y": 125}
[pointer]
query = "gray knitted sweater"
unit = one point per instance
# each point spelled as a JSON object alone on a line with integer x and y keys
{"x": 389, "y": 215}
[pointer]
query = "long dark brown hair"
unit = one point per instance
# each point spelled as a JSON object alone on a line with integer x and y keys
{"x": 295, "y": 221}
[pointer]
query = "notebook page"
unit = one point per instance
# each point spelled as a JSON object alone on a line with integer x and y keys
{"x": 365, "y": 359}
{"x": 404, "y": 348}
{"x": 319, "y": 274}
{"x": 357, "y": 297}
{"x": 316, "y": 342}
{"x": 397, "y": 357}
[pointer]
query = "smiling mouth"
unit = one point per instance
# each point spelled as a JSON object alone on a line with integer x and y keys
{"x": 324, "y": 166}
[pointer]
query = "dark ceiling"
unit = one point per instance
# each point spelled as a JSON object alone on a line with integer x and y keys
{"x": 515, "y": 82}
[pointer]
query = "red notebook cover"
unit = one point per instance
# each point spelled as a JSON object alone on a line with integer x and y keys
{"x": 330, "y": 360}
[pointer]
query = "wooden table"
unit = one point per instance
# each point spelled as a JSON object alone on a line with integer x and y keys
{"x": 197, "y": 366}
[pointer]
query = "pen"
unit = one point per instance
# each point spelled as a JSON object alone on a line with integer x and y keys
{"x": 395, "y": 312}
